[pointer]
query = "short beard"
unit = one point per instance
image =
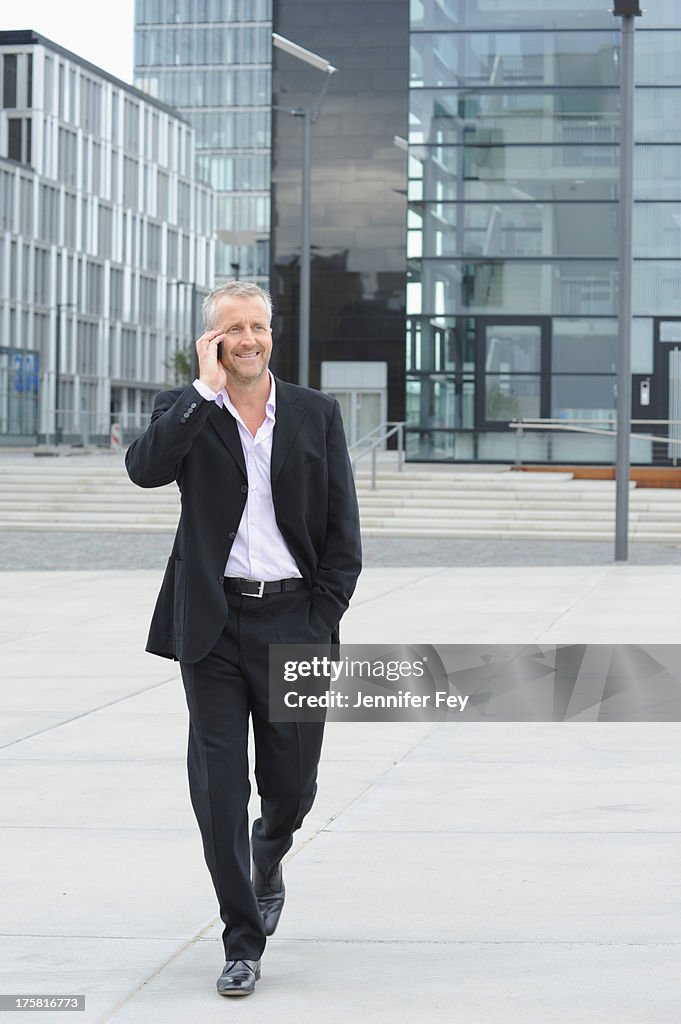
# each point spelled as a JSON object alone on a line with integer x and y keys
{"x": 245, "y": 380}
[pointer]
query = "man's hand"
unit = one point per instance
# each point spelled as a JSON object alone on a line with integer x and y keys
{"x": 211, "y": 371}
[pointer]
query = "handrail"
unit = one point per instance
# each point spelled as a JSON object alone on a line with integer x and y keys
{"x": 570, "y": 425}
{"x": 388, "y": 429}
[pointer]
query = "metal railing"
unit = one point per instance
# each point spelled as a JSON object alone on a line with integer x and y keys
{"x": 86, "y": 427}
{"x": 375, "y": 439}
{"x": 599, "y": 428}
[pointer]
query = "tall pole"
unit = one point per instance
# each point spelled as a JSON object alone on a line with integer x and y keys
{"x": 57, "y": 363}
{"x": 309, "y": 118}
{"x": 57, "y": 369}
{"x": 304, "y": 312}
{"x": 626, "y": 9}
{"x": 194, "y": 332}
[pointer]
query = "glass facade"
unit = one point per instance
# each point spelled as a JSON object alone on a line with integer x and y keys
{"x": 105, "y": 245}
{"x": 210, "y": 59}
{"x": 358, "y": 174}
{"x": 513, "y": 223}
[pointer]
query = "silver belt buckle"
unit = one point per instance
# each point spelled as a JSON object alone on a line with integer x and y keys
{"x": 261, "y": 587}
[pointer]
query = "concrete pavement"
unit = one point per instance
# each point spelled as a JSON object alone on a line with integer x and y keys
{"x": 473, "y": 872}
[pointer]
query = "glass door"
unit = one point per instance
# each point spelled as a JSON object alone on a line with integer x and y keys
{"x": 512, "y": 378}
{"x": 667, "y": 389}
{"x": 362, "y": 409}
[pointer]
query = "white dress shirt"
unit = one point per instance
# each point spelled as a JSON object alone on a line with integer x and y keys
{"x": 259, "y": 551}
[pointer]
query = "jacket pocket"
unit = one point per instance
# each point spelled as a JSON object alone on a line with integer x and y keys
{"x": 310, "y": 467}
{"x": 179, "y": 596}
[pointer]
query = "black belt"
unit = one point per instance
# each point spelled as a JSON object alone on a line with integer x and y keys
{"x": 256, "y": 588}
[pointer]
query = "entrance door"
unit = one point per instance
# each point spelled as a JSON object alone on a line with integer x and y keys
{"x": 513, "y": 368}
{"x": 362, "y": 392}
{"x": 666, "y": 397}
{"x": 362, "y": 410}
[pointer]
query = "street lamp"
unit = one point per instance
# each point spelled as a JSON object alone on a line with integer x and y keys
{"x": 238, "y": 238}
{"x": 627, "y": 10}
{"x": 310, "y": 116}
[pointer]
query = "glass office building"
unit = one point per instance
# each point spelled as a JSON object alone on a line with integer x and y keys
{"x": 358, "y": 203}
{"x": 102, "y": 229}
{"x": 211, "y": 60}
{"x": 513, "y": 226}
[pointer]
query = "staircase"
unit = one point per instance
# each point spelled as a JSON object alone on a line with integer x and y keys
{"x": 85, "y": 493}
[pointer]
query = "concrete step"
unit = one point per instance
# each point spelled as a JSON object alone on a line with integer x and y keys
{"x": 520, "y": 534}
{"x": 406, "y": 488}
{"x": 514, "y": 525}
{"x": 86, "y": 494}
{"x": 649, "y": 499}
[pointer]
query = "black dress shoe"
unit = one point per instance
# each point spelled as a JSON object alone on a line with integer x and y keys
{"x": 270, "y": 894}
{"x": 238, "y": 977}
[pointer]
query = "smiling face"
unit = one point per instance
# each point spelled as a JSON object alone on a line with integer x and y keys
{"x": 247, "y": 345}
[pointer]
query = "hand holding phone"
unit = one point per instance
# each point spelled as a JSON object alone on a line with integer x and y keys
{"x": 209, "y": 352}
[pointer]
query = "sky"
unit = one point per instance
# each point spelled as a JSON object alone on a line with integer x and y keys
{"x": 98, "y": 32}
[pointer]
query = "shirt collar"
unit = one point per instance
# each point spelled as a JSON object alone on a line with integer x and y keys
{"x": 223, "y": 400}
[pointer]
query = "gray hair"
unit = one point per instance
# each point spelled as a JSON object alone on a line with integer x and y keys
{"x": 238, "y": 289}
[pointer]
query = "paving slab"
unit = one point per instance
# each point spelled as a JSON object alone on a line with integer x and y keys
{"x": 98, "y": 881}
{"x": 487, "y": 872}
{"x": 445, "y": 886}
{"x": 403, "y": 982}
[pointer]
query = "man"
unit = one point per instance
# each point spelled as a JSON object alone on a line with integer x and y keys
{"x": 267, "y": 551}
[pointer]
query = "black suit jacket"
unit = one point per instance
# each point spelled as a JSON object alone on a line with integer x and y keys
{"x": 197, "y": 443}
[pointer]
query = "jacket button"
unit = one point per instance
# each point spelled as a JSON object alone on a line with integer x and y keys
{"x": 244, "y": 488}
{"x": 221, "y": 579}
{"x": 231, "y": 536}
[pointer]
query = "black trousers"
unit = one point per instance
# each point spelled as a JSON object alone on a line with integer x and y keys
{"x": 222, "y": 690}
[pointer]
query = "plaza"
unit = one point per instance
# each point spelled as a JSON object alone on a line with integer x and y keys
{"x": 472, "y": 871}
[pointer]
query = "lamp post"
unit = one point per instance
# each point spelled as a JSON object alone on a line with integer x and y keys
{"x": 237, "y": 238}
{"x": 57, "y": 369}
{"x": 627, "y": 10}
{"x": 309, "y": 115}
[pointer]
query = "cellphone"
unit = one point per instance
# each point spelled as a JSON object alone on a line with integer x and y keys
{"x": 219, "y": 351}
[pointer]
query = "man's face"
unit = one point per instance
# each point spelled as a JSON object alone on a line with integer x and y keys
{"x": 247, "y": 345}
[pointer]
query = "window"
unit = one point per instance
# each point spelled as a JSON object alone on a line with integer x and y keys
{"x": 49, "y": 214}
{"x": 69, "y": 220}
{"x": 6, "y": 200}
{"x": 153, "y": 247}
{"x": 26, "y": 205}
{"x": 130, "y": 182}
{"x": 116, "y": 294}
{"x": 67, "y": 157}
{"x": 147, "y": 300}
{"x": 129, "y": 355}
{"x": 162, "y": 195}
{"x": 105, "y": 230}
{"x": 87, "y": 349}
{"x": 90, "y": 104}
{"x": 131, "y": 122}
{"x": 9, "y": 83}
{"x": 114, "y": 118}
{"x": 14, "y": 138}
{"x": 96, "y": 168}
{"x": 41, "y": 280}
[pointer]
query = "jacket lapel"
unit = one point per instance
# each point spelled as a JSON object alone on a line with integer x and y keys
{"x": 288, "y": 421}
{"x": 225, "y": 424}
